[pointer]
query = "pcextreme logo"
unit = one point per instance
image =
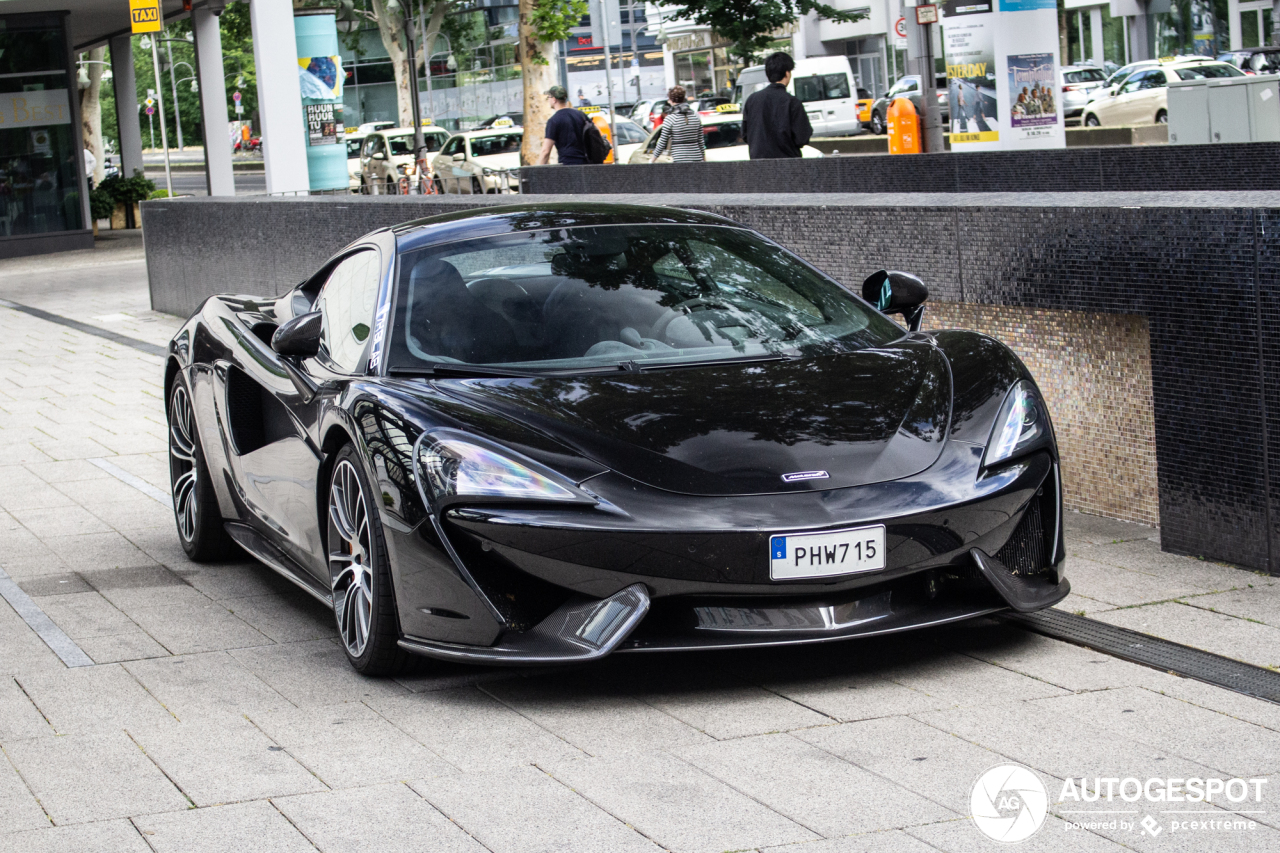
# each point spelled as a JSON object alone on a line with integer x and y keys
{"x": 1009, "y": 803}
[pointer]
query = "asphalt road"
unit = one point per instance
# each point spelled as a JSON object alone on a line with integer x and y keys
{"x": 193, "y": 183}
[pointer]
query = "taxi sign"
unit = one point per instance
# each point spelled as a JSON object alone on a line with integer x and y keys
{"x": 144, "y": 16}
{"x": 589, "y": 110}
{"x": 505, "y": 121}
{"x": 729, "y": 108}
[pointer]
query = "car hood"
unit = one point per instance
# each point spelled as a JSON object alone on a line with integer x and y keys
{"x": 737, "y": 429}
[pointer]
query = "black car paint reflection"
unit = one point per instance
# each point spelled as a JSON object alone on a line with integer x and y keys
{"x": 682, "y": 466}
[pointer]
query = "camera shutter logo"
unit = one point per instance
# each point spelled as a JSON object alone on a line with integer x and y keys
{"x": 1008, "y": 803}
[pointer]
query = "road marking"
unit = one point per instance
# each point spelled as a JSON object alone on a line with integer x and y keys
{"x": 54, "y": 637}
{"x": 125, "y": 340}
{"x": 137, "y": 482}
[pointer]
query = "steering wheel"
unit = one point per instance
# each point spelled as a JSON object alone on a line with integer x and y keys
{"x": 683, "y": 309}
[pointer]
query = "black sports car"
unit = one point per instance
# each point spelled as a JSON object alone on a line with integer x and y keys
{"x": 546, "y": 433}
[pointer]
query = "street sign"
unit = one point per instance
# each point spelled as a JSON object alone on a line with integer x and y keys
{"x": 150, "y": 110}
{"x": 900, "y": 28}
{"x": 239, "y": 108}
{"x": 151, "y": 102}
{"x": 235, "y": 96}
{"x": 144, "y": 16}
{"x": 927, "y": 14}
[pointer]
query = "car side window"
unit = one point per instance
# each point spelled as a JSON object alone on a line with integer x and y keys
{"x": 453, "y": 146}
{"x": 724, "y": 135}
{"x": 433, "y": 141}
{"x": 1133, "y": 83}
{"x": 347, "y": 303}
{"x": 1154, "y": 80}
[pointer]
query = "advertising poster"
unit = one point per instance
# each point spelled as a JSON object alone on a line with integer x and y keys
{"x": 971, "y": 80}
{"x": 320, "y": 77}
{"x": 1033, "y": 92}
{"x": 1002, "y": 74}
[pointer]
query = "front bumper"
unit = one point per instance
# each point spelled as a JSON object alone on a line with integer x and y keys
{"x": 482, "y": 583}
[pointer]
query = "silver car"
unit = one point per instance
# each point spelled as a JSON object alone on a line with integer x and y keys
{"x": 1077, "y": 82}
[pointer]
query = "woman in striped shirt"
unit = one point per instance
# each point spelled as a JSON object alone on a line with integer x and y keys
{"x": 681, "y": 135}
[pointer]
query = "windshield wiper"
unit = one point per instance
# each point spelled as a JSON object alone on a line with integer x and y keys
{"x": 444, "y": 371}
{"x": 711, "y": 362}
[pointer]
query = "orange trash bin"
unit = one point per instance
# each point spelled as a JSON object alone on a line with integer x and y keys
{"x": 904, "y": 127}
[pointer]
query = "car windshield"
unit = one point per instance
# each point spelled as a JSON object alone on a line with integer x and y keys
{"x": 487, "y": 146}
{"x": 724, "y": 134}
{"x": 1197, "y": 72}
{"x": 619, "y": 297}
{"x": 1084, "y": 75}
{"x": 400, "y": 145}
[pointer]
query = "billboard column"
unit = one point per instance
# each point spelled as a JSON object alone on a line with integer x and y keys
{"x": 284, "y": 140}
{"x": 318, "y": 70}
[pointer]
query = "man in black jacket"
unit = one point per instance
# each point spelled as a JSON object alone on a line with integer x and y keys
{"x": 774, "y": 120}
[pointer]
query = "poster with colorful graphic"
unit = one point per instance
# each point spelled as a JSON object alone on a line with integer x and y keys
{"x": 972, "y": 99}
{"x": 1032, "y": 90}
{"x": 321, "y": 77}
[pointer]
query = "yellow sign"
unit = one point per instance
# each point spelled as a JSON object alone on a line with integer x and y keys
{"x": 145, "y": 16}
{"x": 729, "y": 108}
{"x": 589, "y": 110}
{"x": 504, "y": 122}
{"x": 980, "y": 136}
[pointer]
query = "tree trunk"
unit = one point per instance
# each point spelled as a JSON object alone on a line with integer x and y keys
{"x": 391, "y": 28}
{"x": 538, "y": 78}
{"x": 1064, "y": 37}
{"x": 91, "y": 112}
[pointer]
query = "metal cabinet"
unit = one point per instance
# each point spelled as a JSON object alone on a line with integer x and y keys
{"x": 1231, "y": 109}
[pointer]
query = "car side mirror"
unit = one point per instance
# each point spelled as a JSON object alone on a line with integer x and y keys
{"x": 894, "y": 292}
{"x": 459, "y": 157}
{"x": 379, "y": 156}
{"x": 299, "y": 337}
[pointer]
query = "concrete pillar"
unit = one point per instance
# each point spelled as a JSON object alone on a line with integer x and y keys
{"x": 1095, "y": 32}
{"x": 1139, "y": 40}
{"x": 213, "y": 102}
{"x": 284, "y": 140}
{"x": 126, "y": 91}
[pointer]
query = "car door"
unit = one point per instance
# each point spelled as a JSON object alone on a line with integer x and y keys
{"x": 810, "y": 93}
{"x": 1113, "y": 111}
{"x": 282, "y": 475}
{"x": 1152, "y": 97}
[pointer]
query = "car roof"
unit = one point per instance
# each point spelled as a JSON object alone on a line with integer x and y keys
{"x": 408, "y": 131}
{"x": 516, "y": 218}
{"x": 490, "y": 131}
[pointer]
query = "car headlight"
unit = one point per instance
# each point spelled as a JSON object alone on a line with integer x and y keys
{"x": 454, "y": 465}
{"x": 1023, "y": 424}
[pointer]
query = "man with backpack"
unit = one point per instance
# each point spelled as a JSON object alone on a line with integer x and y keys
{"x": 576, "y": 140}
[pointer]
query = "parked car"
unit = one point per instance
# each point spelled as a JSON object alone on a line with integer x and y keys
{"x": 630, "y": 134}
{"x": 355, "y": 142}
{"x": 541, "y": 434}
{"x": 387, "y": 156}
{"x": 480, "y": 161}
{"x": 724, "y": 138}
{"x": 908, "y": 87}
{"x": 648, "y": 114}
{"x": 864, "y": 106}
{"x": 1077, "y": 82}
{"x": 1254, "y": 60}
{"x": 1143, "y": 97}
{"x": 706, "y": 106}
{"x": 514, "y": 118}
{"x": 825, "y": 85}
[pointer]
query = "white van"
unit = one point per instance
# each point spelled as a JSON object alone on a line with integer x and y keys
{"x": 823, "y": 83}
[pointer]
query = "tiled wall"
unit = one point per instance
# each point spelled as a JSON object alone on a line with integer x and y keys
{"x": 1095, "y": 372}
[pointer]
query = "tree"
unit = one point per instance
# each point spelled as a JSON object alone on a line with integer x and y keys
{"x": 91, "y": 110}
{"x": 751, "y": 24}
{"x": 542, "y": 24}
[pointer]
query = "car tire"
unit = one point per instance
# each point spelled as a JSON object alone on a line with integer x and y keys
{"x": 195, "y": 504}
{"x": 1091, "y": 120}
{"x": 476, "y": 187}
{"x": 1162, "y": 117}
{"x": 364, "y": 601}
{"x": 439, "y": 187}
{"x": 392, "y": 189}
{"x": 877, "y": 124}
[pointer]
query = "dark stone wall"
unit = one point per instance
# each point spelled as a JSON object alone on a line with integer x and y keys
{"x": 1204, "y": 270}
{"x": 1242, "y": 166}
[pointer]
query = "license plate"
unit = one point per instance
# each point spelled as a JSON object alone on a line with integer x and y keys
{"x": 820, "y": 555}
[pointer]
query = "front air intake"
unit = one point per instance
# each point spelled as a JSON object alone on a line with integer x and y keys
{"x": 1024, "y": 553}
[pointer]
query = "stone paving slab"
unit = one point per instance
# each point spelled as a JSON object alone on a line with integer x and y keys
{"x": 221, "y": 714}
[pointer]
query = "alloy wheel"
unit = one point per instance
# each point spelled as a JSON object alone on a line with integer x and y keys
{"x": 183, "y": 470}
{"x": 350, "y": 557}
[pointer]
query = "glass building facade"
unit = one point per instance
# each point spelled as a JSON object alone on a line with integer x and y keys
{"x": 41, "y": 158}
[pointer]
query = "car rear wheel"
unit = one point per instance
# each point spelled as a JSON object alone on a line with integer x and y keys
{"x": 1162, "y": 117}
{"x": 391, "y": 187}
{"x": 877, "y": 124}
{"x": 476, "y": 187}
{"x": 195, "y": 505}
{"x": 439, "y": 187}
{"x": 363, "y": 599}
{"x": 1091, "y": 120}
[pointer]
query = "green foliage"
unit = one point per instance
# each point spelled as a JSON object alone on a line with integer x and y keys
{"x": 551, "y": 21}
{"x": 101, "y": 204}
{"x": 158, "y": 194}
{"x": 750, "y": 24}
{"x": 128, "y": 190}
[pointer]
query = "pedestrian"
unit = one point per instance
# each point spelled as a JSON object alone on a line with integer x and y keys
{"x": 564, "y": 131}
{"x": 774, "y": 120}
{"x": 681, "y": 136}
{"x": 90, "y": 164}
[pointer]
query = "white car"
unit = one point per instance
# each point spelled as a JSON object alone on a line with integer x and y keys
{"x": 480, "y": 161}
{"x": 355, "y": 141}
{"x": 824, "y": 84}
{"x": 387, "y": 156}
{"x": 1143, "y": 98}
{"x": 724, "y": 137}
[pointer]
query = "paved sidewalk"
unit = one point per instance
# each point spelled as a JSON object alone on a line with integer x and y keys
{"x": 220, "y": 713}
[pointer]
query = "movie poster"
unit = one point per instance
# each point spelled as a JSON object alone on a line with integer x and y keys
{"x": 971, "y": 80}
{"x": 1033, "y": 95}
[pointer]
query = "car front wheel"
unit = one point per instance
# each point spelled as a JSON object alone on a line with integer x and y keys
{"x": 877, "y": 124}
{"x": 1091, "y": 120}
{"x": 195, "y": 504}
{"x": 360, "y": 572}
{"x": 1162, "y": 117}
